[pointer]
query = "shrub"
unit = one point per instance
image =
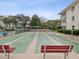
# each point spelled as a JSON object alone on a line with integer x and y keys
{"x": 76, "y": 32}
{"x": 67, "y": 31}
{"x": 60, "y": 30}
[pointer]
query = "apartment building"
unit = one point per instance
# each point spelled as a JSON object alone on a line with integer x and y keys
{"x": 70, "y": 17}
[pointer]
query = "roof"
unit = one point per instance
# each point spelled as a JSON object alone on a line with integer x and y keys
{"x": 64, "y": 11}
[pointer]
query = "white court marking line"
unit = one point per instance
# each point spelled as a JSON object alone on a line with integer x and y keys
{"x": 66, "y": 38}
{"x": 15, "y": 40}
{"x": 31, "y": 48}
{"x": 52, "y": 39}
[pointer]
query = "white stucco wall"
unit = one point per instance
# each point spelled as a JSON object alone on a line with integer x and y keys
{"x": 69, "y": 15}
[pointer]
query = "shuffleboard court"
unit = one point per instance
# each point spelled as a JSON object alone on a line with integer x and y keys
{"x": 42, "y": 40}
{"x": 1, "y": 33}
{"x": 24, "y": 39}
{"x": 22, "y": 44}
{"x": 63, "y": 40}
{"x": 28, "y": 45}
{"x": 11, "y": 38}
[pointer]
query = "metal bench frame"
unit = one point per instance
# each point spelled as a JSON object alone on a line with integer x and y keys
{"x": 7, "y": 51}
{"x": 44, "y": 50}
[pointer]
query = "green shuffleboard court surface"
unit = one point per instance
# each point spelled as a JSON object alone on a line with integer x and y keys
{"x": 42, "y": 40}
{"x": 61, "y": 39}
{"x": 23, "y": 40}
{"x": 11, "y": 38}
{"x": 22, "y": 44}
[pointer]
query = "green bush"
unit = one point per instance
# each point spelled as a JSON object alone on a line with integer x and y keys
{"x": 18, "y": 30}
{"x": 9, "y": 29}
{"x": 76, "y": 32}
{"x": 67, "y": 31}
{"x": 60, "y": 30}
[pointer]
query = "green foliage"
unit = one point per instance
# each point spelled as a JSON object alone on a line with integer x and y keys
{"x": 9, "y": 20}
{"x": 60, "y": 30}
{"x": 53, "y": 24}
{"x": 35, "y": 21}
{"x": 23, "y": 19}
{"x": 18, "y": 20}
{"x": 67, "y": 31}
{"x": 43, "y": 26}
{"x": 75, "y": 32}
{"x": 18, "y": 30}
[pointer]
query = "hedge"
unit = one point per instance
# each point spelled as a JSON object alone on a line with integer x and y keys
{"x": 67, "y": 31}
{"x": 75, "y": 32}
{"x": 60, "y": 30}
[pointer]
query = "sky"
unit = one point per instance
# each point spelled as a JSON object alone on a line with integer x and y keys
{"x": 48, "y": 9}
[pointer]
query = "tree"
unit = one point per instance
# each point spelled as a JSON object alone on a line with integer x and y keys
{"x": 35, "y": 21}
{"x": 6, "y": 22}
{"x": 52, "y": 24}
{"x": 23, "y": 19}
{"x": 27, "y": 18}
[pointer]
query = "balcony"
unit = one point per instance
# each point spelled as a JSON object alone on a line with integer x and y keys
{"x": 63, "y": 17}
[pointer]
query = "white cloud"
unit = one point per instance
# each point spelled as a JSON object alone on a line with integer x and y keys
{"x": 20, "y": 2}
{"x": 13, "y": 7}
{"x": 42, "y": 13}
{"x": 47, "y": 14}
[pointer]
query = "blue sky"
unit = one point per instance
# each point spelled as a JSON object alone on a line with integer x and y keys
{"x": 44, "y": 8}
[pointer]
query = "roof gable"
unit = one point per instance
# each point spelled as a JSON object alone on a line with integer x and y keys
{"x": 64, "y": 11}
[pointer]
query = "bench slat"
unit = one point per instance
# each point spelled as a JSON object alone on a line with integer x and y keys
{"x": 7, "y": 48}
{"x": 57, "y": 48}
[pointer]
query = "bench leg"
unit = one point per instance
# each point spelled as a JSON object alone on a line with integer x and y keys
{"x": 8, "y": 55}
{"x": 65, "y": 55}
{"x": 44, "y": 56}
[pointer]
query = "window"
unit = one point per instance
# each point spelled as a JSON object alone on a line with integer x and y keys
{"x": 73, "y": 8}
{"x": 73, "y": 27}
{"x": 73, "y": 18}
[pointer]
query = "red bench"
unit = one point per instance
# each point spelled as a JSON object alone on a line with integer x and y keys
{"x": 56, "y": 49}
{"x": 7, "y": 49}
